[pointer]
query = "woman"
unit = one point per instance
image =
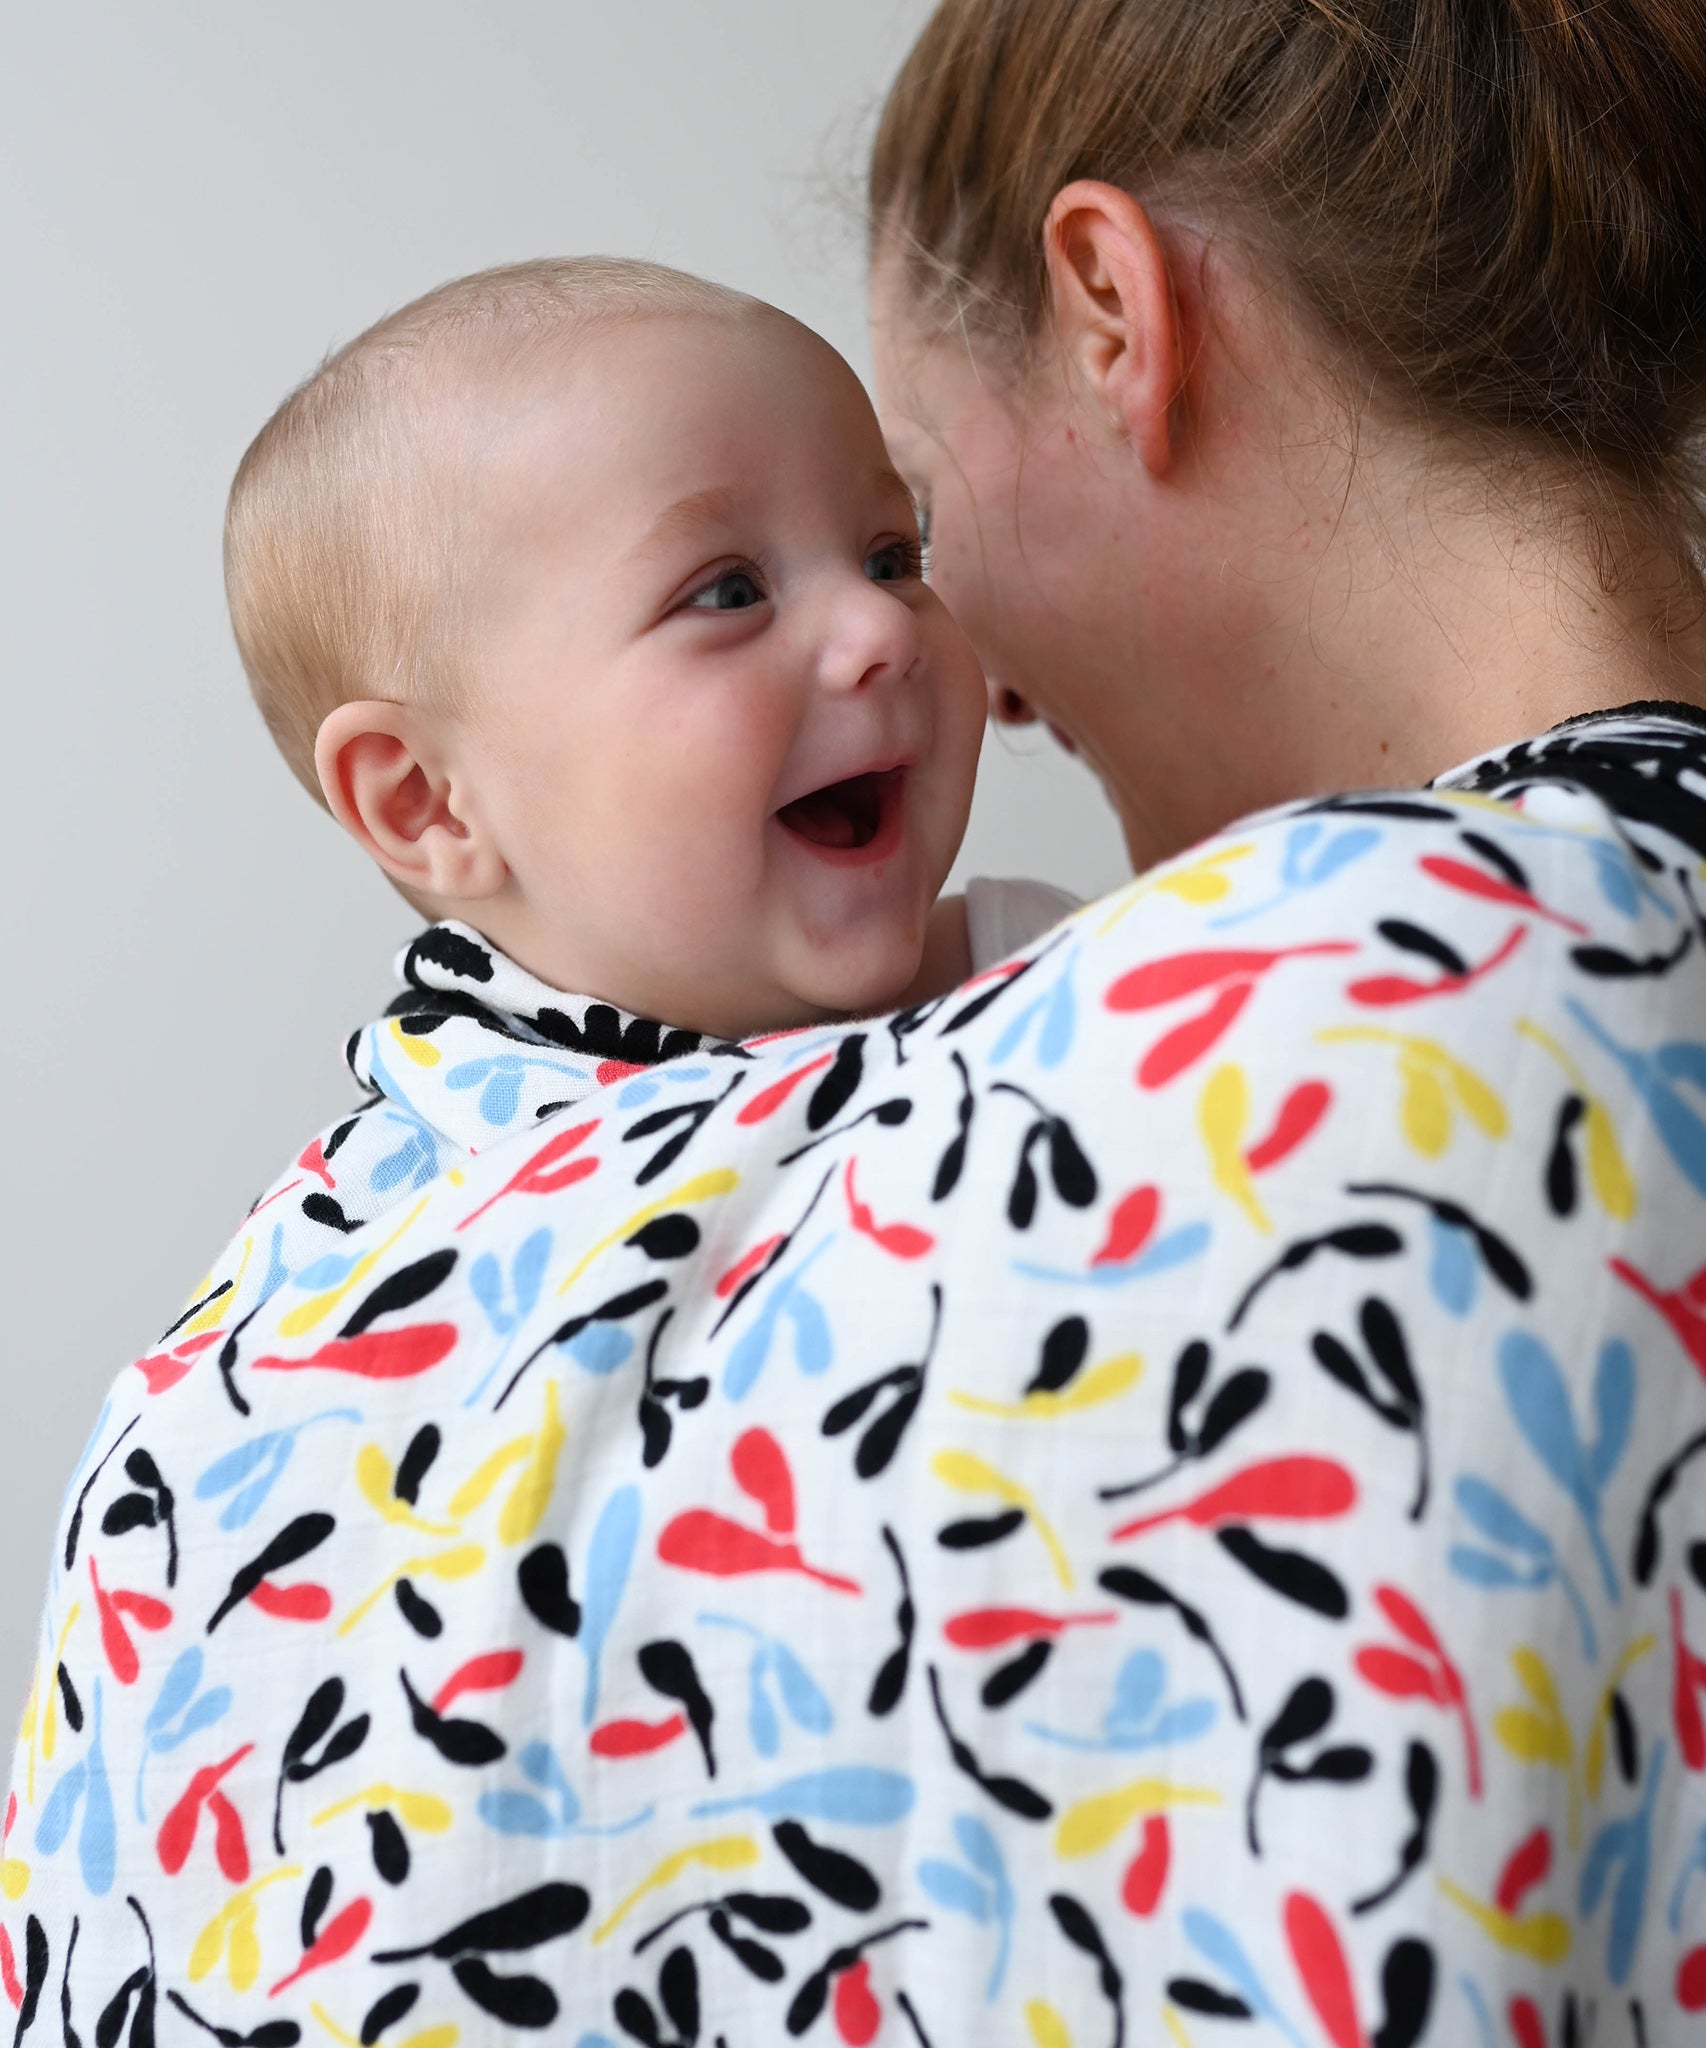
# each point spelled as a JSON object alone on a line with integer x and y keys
{"x": 1158, "y": 1499}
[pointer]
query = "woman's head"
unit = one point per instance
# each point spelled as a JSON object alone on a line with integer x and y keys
{"x": 1478, "y": 225}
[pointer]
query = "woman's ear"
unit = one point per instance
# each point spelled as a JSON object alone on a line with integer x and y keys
{"x": 390, "y": 789}
{"x": 1115, "y": 312}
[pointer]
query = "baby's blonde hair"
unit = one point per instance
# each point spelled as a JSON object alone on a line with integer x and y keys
{"x": 347, "y": 539}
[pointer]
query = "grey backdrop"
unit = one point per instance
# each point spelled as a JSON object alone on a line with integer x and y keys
{"x": 197, "y": 199}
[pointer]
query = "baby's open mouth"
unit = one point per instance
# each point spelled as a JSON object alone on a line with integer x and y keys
{"x": 844, "y": 814}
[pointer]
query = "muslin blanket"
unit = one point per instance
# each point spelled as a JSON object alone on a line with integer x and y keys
{"x": 1160, "y": 1499}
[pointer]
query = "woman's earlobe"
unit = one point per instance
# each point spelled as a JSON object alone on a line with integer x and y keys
{"x": 1115, "y": 314}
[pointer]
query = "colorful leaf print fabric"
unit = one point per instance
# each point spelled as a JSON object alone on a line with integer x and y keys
{"x": 1158, "y": 1499}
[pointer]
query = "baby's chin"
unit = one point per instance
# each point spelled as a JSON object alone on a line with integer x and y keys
{"x": 863, "y": 978}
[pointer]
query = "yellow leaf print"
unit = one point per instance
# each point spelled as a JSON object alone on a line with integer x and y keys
{"x": 1543, "y": 1937}
{"x": 1594, "y": 1770}
{"x": 966, "y": 1472}
{"x": 303, "y": 1318}
{"x": 1608, "y": 1172}
{"x": 232, "y": 1933}
{"x": 1424, "y": 1109}
{"x": 1102, "y": 1383}
{"x": 722, "y": 1852}
{"x": 1223, "y": 1117}
{"x": 421, "y": 1050}
{"x": 1540, "y": 1734}
{"x": 1095, "y": 1822}
{"x": 462, "y": 1562}
{"x": 526, "y": 1506}
{"x": 704, "y": 1187}
{"x": 445, "y": 2035}
{"x": 1048, "y": 2029}
{"x": 422, "y": 1811}
{"x": 377, "y": 1480}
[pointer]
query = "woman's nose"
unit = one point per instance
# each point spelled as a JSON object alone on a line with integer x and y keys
{"x": 1007, "y": 707}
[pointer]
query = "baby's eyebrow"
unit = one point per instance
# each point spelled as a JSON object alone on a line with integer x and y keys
{"x": 715, "y": 505}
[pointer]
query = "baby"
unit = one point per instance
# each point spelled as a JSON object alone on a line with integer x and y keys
{"x": 586, "y": 596}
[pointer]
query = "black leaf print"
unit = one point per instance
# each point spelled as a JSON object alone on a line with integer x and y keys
{"x": 772, "y": 1912}
{"x": 314, "y": 1726}
{"x": 1613, "y": 965}
{"x": 1496, "y": 857}
{"x": 532, "y": 1917}
{"x": 1308, "y": 1710}
{"x": 389, "y": 1845}
{"x": 689, "y": 1119}
{"x": 1013, "y": 1793}
{"x": 969, "y": 1012}
{"x": 1407, "y": 1987}
{"x": 953, "y": 1160}
{"x": 1126, "y": 1582}
{"x": 838, "y": 1087}
{"x": 543, "y": 1576}
{"x": 314, "y": 1903}
{"x": 416, "y": 1463}
{"x": 1349, "y": 1241}
{"x": 1191, "y": 1994}
{"x": 1500, "y": 1259}
{"x": 386, "y": 2011}
{"x": 757, "y": 1960}
{"x": 441, "y": 946}
{"x": 74, "y": 1527}
{"x": 777, "y": 1252}
{"x": 69, "y": 1700}
{"x": 117, "y": 2009}
{"x": 668, "y": 1667}
{"x": 1070, "y": 1172}
{"x": 906, "y": 1383}
{"x": 1648, "y": 1544}
{"x": 667, "y": 1237}
{"x": 1069, "y": 1166}
{"x": 293, "y": 1542}
{"x": 1626, "y": 1739}
{"x": 1290, "y": 1573}
{"x": 270, "y": 2034}
{"x": 616, "y": 1310}
{"x": 1421, "y": 1788}
{"x": 1412, "y": 938}
{"x": 1561, "y": 1176}
{"x": 678, "y": 1990}
{"x": 1696, "y": 1565}
{"x": 656, "y": 1432}
{"x": 1399, "y": 1402}
{"x": 890, "y": 1115}
{"x": 1008, "y": 1680}
{"x": 469, "y": 1743}
{"x": 418, "y": 1611}
{"x": 1229, "y": 1407}
{"x": 402, "y": 1289}
{"x": 880, "y": 1442}
{"x": 889, "y": 1685}
{"x": 634, "y": 2015}
{"x": 1065, "y": 1349}
{"x": 129, "y": 1511}
{"x": 976, "y": 1532}
{"x": 841, "y": 1878}
{"x": 35, "y": 1974}
{"x": 319, "y": 1207}
{"x": 189, "y": 1315}
{"x": 1076, "y": 1923}
{"x": 519, "y": 2001}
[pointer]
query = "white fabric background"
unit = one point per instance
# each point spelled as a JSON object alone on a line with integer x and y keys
{"x": 196, "y": 201}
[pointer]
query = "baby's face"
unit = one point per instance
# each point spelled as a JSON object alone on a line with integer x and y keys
{"x": 722, "y": 731}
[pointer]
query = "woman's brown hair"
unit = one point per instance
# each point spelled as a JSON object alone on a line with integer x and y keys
{"x": 1497, "y": 207}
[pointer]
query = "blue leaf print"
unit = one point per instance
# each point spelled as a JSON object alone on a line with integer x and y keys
{"x": 762, "y": 1722}
{"x": 1138, "y": 1686}
{"x": 1222, "y": 1950}
{"x": 527, "y": 1275}
{"x": 1060, "y": 1022}
{"x": 1494, "y": 1516}
{"x": 601, "y": 1348}
{"x": 609, "y": 1556}
{"x": 1625, "y": 1846}
{"x": 856, "y": 1795}
{"x": 177, "y": 1689}
{"x": 486, "y": 1284}
{"x": 812, "y": 1346}
{"x": 801, "y": 1694}
{"x": 814, "y": 1351}
{"x": 1678, "y": 1126}
{"x": 60, "y": 1810}
{"x": 1535, "y": 1390}
{"x": 1614, "y": 1410}
{"x": 1482, "y": 1568}
{"x": 955, "y": 1889}
{"x": 518, "y": 1813}
{"x": 1453, "y": 1271}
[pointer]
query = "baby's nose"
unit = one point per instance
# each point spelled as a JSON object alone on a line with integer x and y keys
{"x": 873, "y": 637}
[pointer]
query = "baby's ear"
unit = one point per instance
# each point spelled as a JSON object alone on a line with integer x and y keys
{"x": 389, "y": 782}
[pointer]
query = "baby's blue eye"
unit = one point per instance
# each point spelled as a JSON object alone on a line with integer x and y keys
{"x": 734, "y": 591}
{"x": 900, "y": 561}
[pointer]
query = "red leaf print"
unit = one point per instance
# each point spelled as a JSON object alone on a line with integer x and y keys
{"x": 743, "y": 1267}
{"x": 608, "y": 1071}
{"x": 1146, "y": 1873}
{"x": 9, "y": 1972}
{"x": 1680, "y": 1309}
{"x": 1399, "y": 1676}
{"x": 899, "y": 1240}
{"x": 315, "y": 1161}
{"x": 635, "y": 1738}
{"x": 701, "y": 1541}
{"x": 1320, "y": 1960}
{"x": 178, "y": 1830}
{"x": 147, "y": 1612}
{"x": 11, "y": 1819}
{"x": 542, "y": 1175}
{"x": 229, "y": 1847}
{"x": 1528, "y": 1864}
{"x": 375, "y": 1354}
{"x": 488, "y": 1673}
{"x": 1298, "y": 1115}
{"x": 164, "y": 1369}
{"x": 335, "y": 1939}
{"x": 1458, "y": 874}
{"x": 1685, "y": 1698}
{"x": 303, "y": 1602}
{"x": 1408, "y": 1619}
{"x": 857, "y": 2013}
{"x": 143, "y": 1609}
{"x": 1385, "y": 991}
{"x": 1130, "y": 1227}
{"x": 1300, "y": 1489}
{"x": 1690, "y": 1981}
{"x": 1183, "y": 974}
{"x": 761, "y": 1472}
{"x": 984, "y": 1628}
{"x": 768, "y": 1100}
{"x": 1177, "y": 1049}
{"x": 1526, "y": 2024}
